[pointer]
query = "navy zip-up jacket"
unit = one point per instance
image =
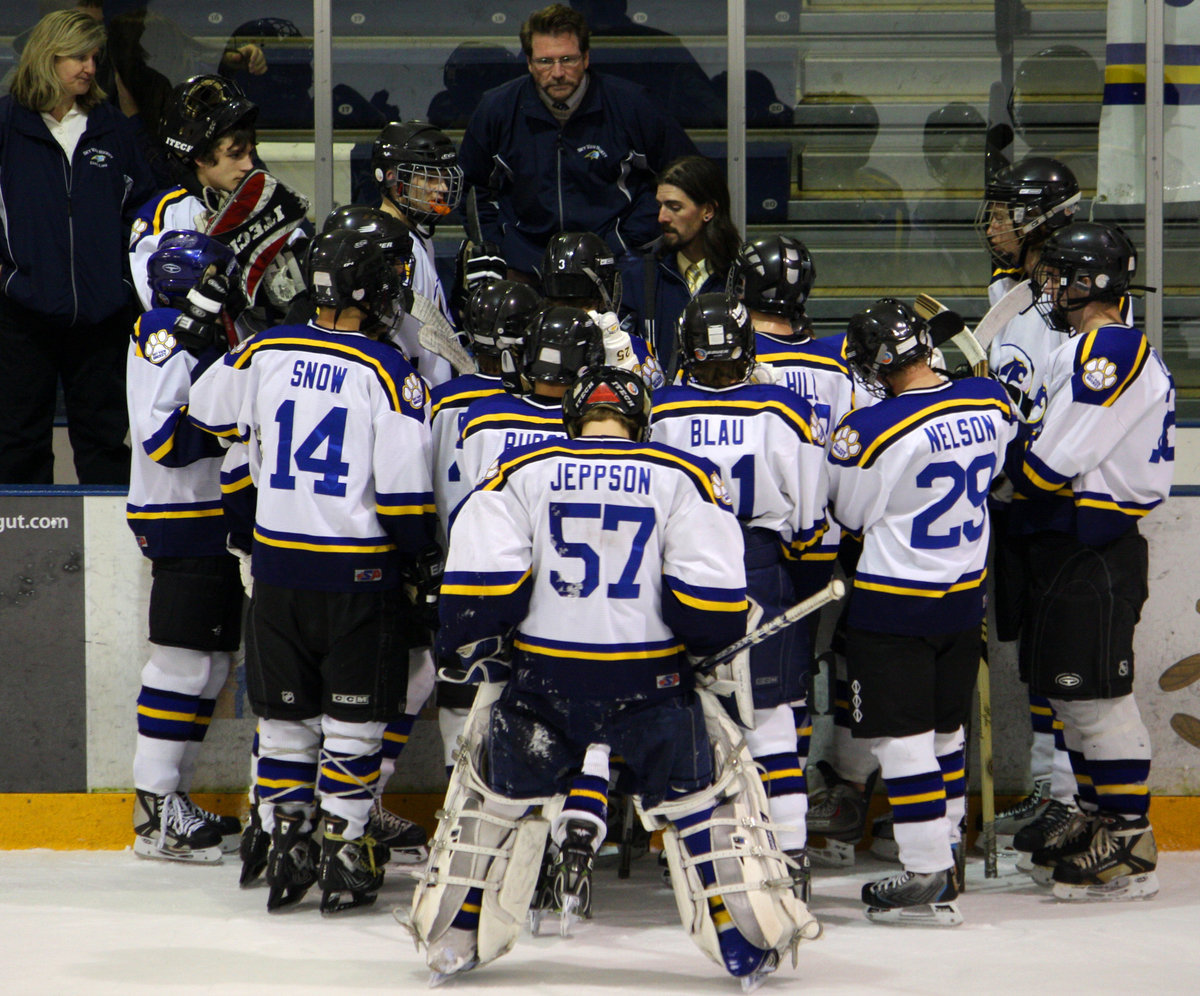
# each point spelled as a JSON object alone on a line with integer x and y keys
{"x": 595, "y": 173}
{"x": 64, "y": 229}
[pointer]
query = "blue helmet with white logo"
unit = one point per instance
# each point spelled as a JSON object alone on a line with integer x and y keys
{"x": 181, "y": 260}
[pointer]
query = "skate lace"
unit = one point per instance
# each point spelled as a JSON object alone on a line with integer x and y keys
{"x": 199, "y": 812}
{"x": 894, "y": 881}
{"x": 1102, "y": 847}
{"x": 177, "y": 818}
{"x": 1054, "y": 820}
{"x": 389, "y": 821}
{"x": 1029, "y": 804}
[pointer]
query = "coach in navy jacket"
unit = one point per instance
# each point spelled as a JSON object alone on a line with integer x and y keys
{"x": 564, "y": 149}
{"x": 65, "y": 298}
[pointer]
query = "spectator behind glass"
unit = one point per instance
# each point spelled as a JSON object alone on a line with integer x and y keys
{"x": 70, "y": 177}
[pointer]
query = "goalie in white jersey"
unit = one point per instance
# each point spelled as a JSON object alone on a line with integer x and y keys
{"x": 1101, "y": 459}
{"x": 911, "y": 475}
{"x": 584, "y": 551}
{"x": 340, "y": 454}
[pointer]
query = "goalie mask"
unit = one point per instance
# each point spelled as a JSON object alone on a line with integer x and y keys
{"x": 887, "y": 336}
{"x": 560, "y": 344}
{"x": 416, "y": 167}
{"x": 608, "y": 389}
{"x": 201, "y": 110}
{"x": 181, "y": 261}
{"x": 1081, "y": 263}
{"x": 774, "y": 275}
{"x": 716, "y": 328}
{"x": 497, "y": 315}
{"x": 390, "y": 234}
{"x": 580, "y": 268}
{"x": 348, "y": 270}
{"x": 1022, "y": 205}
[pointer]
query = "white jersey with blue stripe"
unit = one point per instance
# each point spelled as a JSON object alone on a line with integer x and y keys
{"x": 340, "y": 454}
{"x": 450, "y": 402}
{"x": 501, "y": 422}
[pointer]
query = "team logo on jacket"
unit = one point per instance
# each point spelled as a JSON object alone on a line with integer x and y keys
{"x": 414, "y": 390}
{"x": 159, "y": 346}
{"x": 845, "y": 443}
{"x": 720, "y": 489}
{"x": 593, "y": 153}
{"x": 1099, "y": 374}
{"x": 368, "y": 574}
{"x": 100, "y": 158}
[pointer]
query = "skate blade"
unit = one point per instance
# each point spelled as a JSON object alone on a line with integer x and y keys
{"x": 925, "y": 915}
{"x": 144, "y": 848}
{"x": 1122, "y": 889}
{"x": 1043, "y": 875}
{"x": 231, "y": 843}
{"x": 439, "y": 978}
{"x": 338, "y": 901}
{"x": 835, "y": 854}
{"x": 756, "y": 978}
{"x": 535, "y": 921}
{"x": 283, "y": 897}
{"x": 569, "y": 916}
{"x": 251, "y": 873}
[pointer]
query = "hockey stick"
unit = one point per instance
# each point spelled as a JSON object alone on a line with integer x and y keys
{"x": 438, "y": 335}
{"x": 948, "y": 326}
{"x": 987, "y": 785}
{"x": 830, "y": 593}
{"x": 1017, "y": 301}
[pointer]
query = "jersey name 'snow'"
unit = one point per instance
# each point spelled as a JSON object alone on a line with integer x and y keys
{"x": 500, "y": 422}
{"x": 609, "y": 557}
{"x": 767, "y": 445}
{"x": 342, "y": 454}
{"x": 1105, "y": 454}
{"x": 911, "y": 475}
{"x": 450, "y": 402}
{"x": 174, "y": 505}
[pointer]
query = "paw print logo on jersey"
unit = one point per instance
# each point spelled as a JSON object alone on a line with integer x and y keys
{"x": 651, "y": 372}
{"x": 159, "y": 345}
{"x": 720, "y": 490}
{"x": 414, "y": 390}
{"x": 1099, "y": 374}
{"x": 845, "y": 443}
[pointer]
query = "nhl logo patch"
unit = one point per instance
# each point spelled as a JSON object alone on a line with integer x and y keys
{"x": 1099, "y": 374}
{"x": 159, "y": 346}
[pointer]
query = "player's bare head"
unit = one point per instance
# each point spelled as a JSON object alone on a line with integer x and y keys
{"x": 350, "y": 278}
{"x": 1083, "y": 263}
{"x": 774, "y": 275}
{"x": 1023, "y": 204}
{"x": 715, "y": 340}
{"x": 608, "y": 394}
{"x": 886, "y": 337}
{"x": 579, "y": 269}
{"x": 416, "y": 168}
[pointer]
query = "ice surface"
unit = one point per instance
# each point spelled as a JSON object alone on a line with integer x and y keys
{"x": 109, "y": 922}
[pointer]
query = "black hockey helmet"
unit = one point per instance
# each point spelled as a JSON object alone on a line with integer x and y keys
{"x": 347, "y": 269}
{"x": 386, "y": 231}
{"x": 1096, "y": 261}
{"x": 416, "y": 168}
{"x": 774, "y": 275}
{"x": 180, "y": 262}
{"x": 497, "y": 315}
{"x": 560, "y": 344}
{"x": 715, "y": 327}
{"x": 580, "y": 265}
{"x": 201, "y": 109}
{"x": 885, "y": 337}
{"x": 1027, "y": 200}
{"x": 953, "y": 142}
{"x": 611, "y": 389}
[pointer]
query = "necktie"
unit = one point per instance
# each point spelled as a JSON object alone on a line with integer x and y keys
{"x": 694, "y": 276}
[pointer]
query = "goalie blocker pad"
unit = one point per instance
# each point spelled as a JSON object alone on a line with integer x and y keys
{"x": 255, "y": 221}
{"x": 752, "y": 876}
{"x": 484, "y": 840}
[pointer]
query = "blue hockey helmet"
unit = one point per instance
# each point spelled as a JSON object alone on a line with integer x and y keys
{"x": 181, "y": 260}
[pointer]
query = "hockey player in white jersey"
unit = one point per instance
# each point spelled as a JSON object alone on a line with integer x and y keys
{"x": 1023, "y": 205}
{"x": 559, "y": 344}
{"x": 174, "y": 509}
{"x": 579, "y": 555}
{"x": 1102, "y": 460}
{"x": 579, "y": 270}
{"x": 768, "y": 444}
{"x": 911, "y": 475}
{"x": 340, "y": 454}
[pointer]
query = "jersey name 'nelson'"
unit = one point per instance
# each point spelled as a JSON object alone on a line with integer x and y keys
{"x": 963, "y": 432}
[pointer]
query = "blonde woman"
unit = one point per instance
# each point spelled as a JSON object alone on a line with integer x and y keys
{"x": 70, "y": 178}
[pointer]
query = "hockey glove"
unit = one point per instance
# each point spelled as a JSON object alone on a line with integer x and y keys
{"x": 486, "y": 660}
{"x": 423, "y": 583}
{"x": 476, "y": 266}
{"x": 199, "y": 325}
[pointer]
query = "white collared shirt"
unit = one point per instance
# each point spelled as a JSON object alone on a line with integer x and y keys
{"x": 69, "y": 130}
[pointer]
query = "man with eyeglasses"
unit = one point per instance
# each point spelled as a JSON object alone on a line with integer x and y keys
{"x": 566, "y": 149}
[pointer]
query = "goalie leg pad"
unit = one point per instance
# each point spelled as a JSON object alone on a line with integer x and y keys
{"x": 731, "y": 881}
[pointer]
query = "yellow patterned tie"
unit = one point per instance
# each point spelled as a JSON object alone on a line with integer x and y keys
{"x": 694, "y": 276}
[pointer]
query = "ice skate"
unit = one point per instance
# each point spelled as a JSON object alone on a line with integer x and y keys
{"x": 572, "y": 883}
{"x": 1119, "y": 864}
{"x": 252, "y": 849}
{"x": 291, "y": 861}
{"x": 166, "y": 827}
{"x": 543, "y": 901}
{"x": 839, "y": 814}
{"x": 883, "y": 838}
{"x": 1064, "y": 832}
{"x": 913, "y": 898}
{"x": 404, "y": 839}
{"x": 228, "y": 828}
{"x": 351, "y": 870}
{"x": 1011, "y": 821}
{"x": 801, "y": 874}
{"x": 451, "y": 955}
